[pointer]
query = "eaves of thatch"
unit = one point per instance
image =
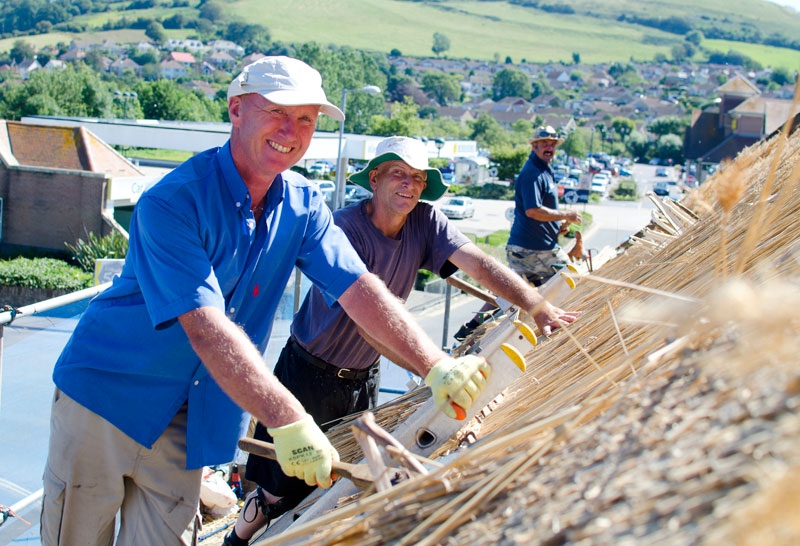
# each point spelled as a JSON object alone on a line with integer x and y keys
{"x": 667, "y": 414}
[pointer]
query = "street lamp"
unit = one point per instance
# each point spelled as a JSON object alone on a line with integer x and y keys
{"x": 439, "y": 145}
{"x": 338, "y": 202}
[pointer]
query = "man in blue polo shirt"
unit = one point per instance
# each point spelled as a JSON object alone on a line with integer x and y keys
{"x": 154, "y": 380}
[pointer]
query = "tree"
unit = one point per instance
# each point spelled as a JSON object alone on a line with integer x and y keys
{"x": 670, "y": 147}
{"x": 403, "y": 120}
{"x": 666, "y": 125}
{"x": 539, "y": 87}
{"x": 441, "y": 43}
{"x": 574, "y": 145}
{"x": 443, "y": 88}
{"x": 638, "y": 146}
{"x": 165, "y": 99}
{"x": 211, "y": 11}
{"x": 622, "y": 127}
{"x": 155, "y": 31}
{"x": 510, "y": 82}
{"x": 694, "y": 37}
{"x": 509, "y": 160}
{"x": 576, "y": 58}
{"x": 488, "y": 132}
{"x": 73, "y": 91}
{"x": 22, "y": 50}
{"x": 399, "y": 86}
{"x": 252, "y": 37}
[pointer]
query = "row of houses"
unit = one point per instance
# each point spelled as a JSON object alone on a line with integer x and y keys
{"x": 181, "y": 58}
{"x": 593, "y": 94}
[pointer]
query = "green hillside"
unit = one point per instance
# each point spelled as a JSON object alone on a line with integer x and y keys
{"x": 607, "y": 31}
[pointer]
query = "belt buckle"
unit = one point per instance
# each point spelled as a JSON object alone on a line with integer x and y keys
{"x": 340, "y": 371}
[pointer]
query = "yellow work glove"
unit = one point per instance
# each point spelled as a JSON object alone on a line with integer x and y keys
{"x": 304, "y": 452}
{"x": 457, "y": 382}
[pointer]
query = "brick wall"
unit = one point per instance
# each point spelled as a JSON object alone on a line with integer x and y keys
{"x": 46, "y": 208}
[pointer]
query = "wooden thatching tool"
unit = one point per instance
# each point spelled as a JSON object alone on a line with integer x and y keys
{"x": 359, "y": 474}
{"x": 478, "y": 293}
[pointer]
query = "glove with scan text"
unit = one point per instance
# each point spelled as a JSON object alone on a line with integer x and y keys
{"x": 457, "y": 382}
{"x": 304, "y": 452}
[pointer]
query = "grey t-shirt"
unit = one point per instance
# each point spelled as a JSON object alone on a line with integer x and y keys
{"x": 426, "y": 241}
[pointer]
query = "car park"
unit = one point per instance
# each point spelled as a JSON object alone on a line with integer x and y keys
{"x": 458, "y": 207}
{"x": 661, "y": 188}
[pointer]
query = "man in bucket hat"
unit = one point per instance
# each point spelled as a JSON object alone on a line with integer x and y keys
{"x": 154, "y": 381}
{"x": 396, "y": 235}
{"x": 532, "y": 249}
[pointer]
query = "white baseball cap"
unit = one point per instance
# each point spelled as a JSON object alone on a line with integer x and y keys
{"x": 284, "y": 81}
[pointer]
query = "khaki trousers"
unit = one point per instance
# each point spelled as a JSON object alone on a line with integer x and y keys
{"x": 94, "y": 471}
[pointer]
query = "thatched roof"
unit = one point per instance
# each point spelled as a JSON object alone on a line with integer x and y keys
{"x": 667, "y": 414}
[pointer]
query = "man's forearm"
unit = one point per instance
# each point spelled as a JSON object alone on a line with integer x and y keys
{"x": 386, "y": 322}
{"x": 495, "y": 277}
{"x": 237, "y": 366}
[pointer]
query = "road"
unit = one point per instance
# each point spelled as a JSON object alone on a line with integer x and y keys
{"x": 613, "y": 221}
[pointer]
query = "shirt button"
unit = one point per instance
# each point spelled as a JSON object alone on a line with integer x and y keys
{"x": 196, "y": 382}
{"x": 238, "y": 204}
{"x": 232, "y": 310}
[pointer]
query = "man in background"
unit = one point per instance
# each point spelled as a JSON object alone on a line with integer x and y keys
{"x": 532, "y": 249}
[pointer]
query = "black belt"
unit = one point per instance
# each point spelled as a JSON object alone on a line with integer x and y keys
{"x": 343, "y": 373}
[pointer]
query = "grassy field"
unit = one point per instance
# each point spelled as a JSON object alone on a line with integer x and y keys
{"x": 488, "y": 30}
{"x": 768, "y": 56}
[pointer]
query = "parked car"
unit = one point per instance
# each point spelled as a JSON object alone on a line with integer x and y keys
{"x": 328, "y": 189}
{"x": 661, "y": 188}
{"x": 354, "y": 194}
{"x": 662, "y": 171}
{"x": 597, "y": 187}
{"x": 319, "y": 169}
{"x": 458, "y": 207}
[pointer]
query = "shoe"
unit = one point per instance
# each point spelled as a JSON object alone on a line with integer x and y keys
{"x": 481, "y": 318}
{"x": 257, "y": 502}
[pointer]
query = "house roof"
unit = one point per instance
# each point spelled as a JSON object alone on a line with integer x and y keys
{"x": 729, "y": 148}
{"x": 775, "y": 111}
{"x": 54, "y": 147}
{"x": 738, "y": 85}
{"x": 182, "y": 57}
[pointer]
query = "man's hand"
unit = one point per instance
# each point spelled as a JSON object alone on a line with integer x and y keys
{"x": 304, "y": 452}
{"x": 548, "y": 317}
{"x": 458, "y": 381}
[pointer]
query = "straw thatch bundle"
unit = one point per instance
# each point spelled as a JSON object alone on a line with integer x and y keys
{"x": 667, "y": 414}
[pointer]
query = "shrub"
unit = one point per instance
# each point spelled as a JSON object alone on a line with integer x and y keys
{"x": 484, "y": 191}
{"x": 625, "y": 191}
{"x": 43, "y": 273}
{"x": 114, "y": 245}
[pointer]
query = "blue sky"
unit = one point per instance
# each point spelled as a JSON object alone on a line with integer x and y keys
{"x": 795, "y": 4}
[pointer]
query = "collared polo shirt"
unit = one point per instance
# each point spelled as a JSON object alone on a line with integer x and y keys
{"x": 194, "y": 242}
{"x": 535, "y": 187}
